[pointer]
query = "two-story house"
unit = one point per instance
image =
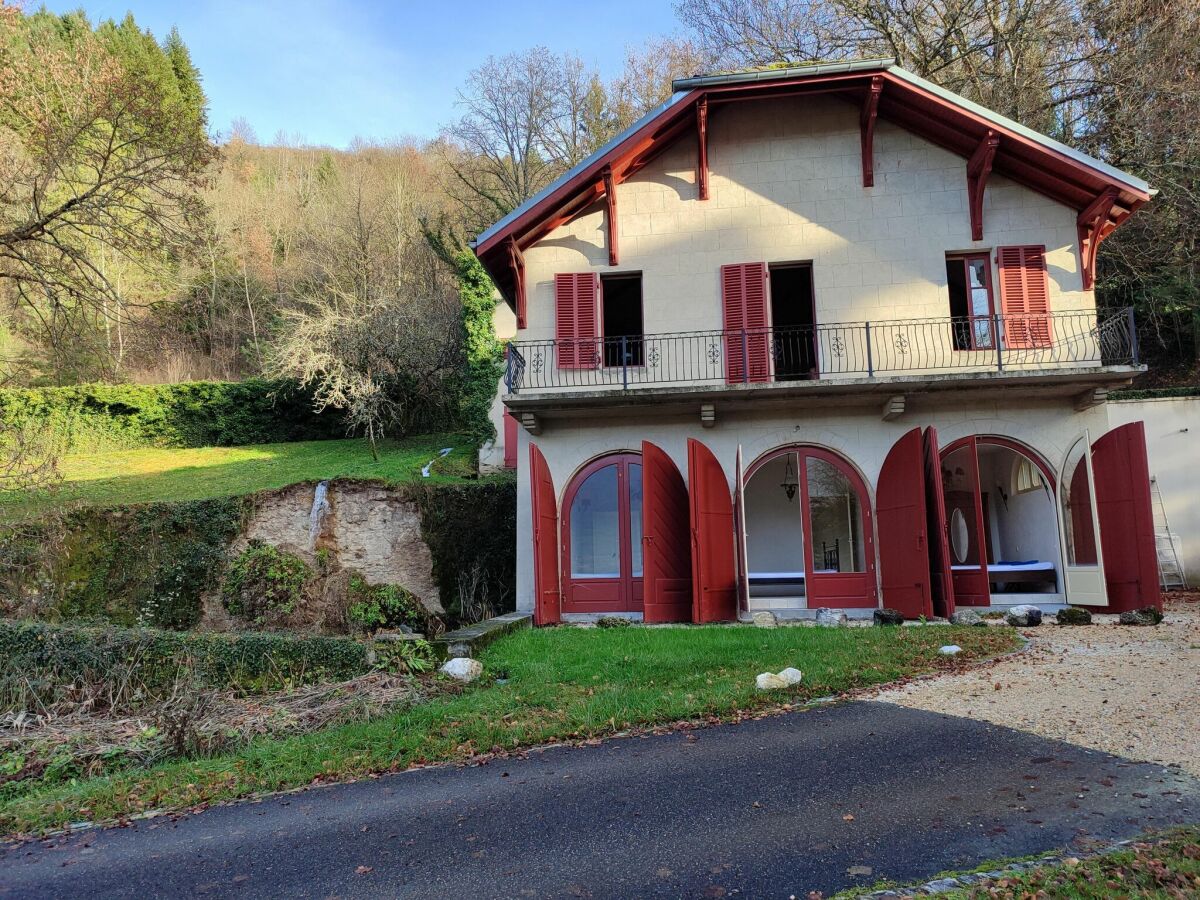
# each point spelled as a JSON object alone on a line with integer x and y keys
{"x": 821, "y": 336}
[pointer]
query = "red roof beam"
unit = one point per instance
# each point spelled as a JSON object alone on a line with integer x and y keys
{"x": 516, "y": 263}
{"x": 702, "y": 148}
{"x": 870, "y": 111}
{"x": 979, "y": 167}
{"x": 610, "y": 213}
{"x": 1094, "y": 225}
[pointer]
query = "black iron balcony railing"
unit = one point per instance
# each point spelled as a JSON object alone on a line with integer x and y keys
{"x": 1054, "y": 342}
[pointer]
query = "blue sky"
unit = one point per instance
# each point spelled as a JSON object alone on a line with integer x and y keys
{"x": 327, "y": 71}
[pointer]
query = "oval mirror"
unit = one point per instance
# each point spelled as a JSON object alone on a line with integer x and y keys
{"x": 960, "y": 539}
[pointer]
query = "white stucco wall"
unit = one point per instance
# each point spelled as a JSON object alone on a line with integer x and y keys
{"x": 1049, "y": 427}
{"x": 786, "y": 186}
{"x": 1173, "y": 446}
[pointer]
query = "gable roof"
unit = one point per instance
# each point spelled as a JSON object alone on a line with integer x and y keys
{"x": 934, "y": 113}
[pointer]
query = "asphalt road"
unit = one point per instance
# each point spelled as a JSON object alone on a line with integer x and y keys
{"x": 768, "y": 808}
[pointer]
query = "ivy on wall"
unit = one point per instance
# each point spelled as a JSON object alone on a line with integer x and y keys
{"x": 484, "y": 354}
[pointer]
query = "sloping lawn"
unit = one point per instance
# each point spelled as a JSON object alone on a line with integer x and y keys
{"x": 562, "y": 684}
{"x": 164, "y": 474}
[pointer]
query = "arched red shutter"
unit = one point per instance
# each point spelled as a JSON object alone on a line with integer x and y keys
{"x": 714, "y": 576}
{"x": 1024, "y": 297}
{"x": 900, "y": 518}
{"x": 546, "y": 605}
{"x": 576, "y": 319}
{"x": 666, "y": 544}
{"x": 939, "y": 536}
{"x": 1122, "y": 474}
{"x": 744, "y": 300}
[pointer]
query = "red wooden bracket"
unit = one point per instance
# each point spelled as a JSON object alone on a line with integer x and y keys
{"x": 870, "y": 112}
{"x": 1094, "y": 225}
{"x": 610, "y": 215}
{"x": 979, "y": 167}
{"x": 516, "y": 260}
{"x": 702, "y": 151}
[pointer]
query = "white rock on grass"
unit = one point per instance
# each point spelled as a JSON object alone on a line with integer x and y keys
{"x": 950, "y": 650}
{"x": 769, "y": 681}
{"x": 462, "y": 668}
{"x": 791, "y": 676}
{"x": 764, "y": 618}
{"x": 831, "y": 618}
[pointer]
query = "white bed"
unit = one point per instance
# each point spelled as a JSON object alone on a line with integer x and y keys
{"x": 1034, "y": 571}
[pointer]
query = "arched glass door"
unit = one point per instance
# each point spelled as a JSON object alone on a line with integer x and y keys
{"x": 602, "y": 537}
{"x": 1081, "y": 550}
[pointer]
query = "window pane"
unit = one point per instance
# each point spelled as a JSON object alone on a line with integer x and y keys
{"x": 1078, "y": 524}
{"x": 635, "y": 516}
{"x": 835, "y": 519}
{"x": 981, "y": 304}
{"x": 595, "y": 527}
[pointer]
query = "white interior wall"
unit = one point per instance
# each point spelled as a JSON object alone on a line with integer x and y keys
{"x": 774, "y": 530}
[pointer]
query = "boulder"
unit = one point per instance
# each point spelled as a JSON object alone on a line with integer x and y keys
{"x": 950, "y": 650}
{"x": 1147, "y": 615}
{"x": 830, "y": 618}
{"x": 769, "y": 681}
{"x": 764, "y": 618}
{"x": 1025, "y": 616}
{"x": 791, "y": 676}
{"x": 967, "y": 617}
{"x": 462, "y": 668}
{"x": 613, "y": 622}
{"x": 1073, "y": 615}
{"x": 889, "y": 617}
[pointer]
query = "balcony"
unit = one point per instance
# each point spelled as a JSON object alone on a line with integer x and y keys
{"x": 1057, "y": 354}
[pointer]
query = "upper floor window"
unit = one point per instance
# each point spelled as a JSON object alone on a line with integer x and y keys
{"x": 621, "y": 319}
{"x": 972, "y": 307}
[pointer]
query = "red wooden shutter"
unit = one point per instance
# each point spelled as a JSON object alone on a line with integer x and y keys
{"x": 576, "y": 319}
{"x": 546, "y": 605}
{"x": 1122, "y": 475}
{"x": 1024, "y": 297}
{"x": 744, "y": 298}
{"x": 939, "y": 535}
{"x": 900, "y": 519}
{"x": 666, "y": 545}
{"x": 714, "y": 578}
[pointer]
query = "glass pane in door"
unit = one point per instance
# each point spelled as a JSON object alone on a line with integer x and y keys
{"x": 959, "y": 484}
{"x": 635, "y": 516}
{"x": 1076, "y": 494}
{"x": 835, "y": 519}
{"x": 981, "y": 302}
{"x": 595, "y": 526}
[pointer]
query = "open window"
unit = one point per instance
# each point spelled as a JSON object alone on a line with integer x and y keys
{"x": 972, "y": 306}
{"x": 621, "y": 314}
{"x": 793, "y": 321}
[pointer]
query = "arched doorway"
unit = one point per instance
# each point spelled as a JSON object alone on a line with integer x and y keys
{"x": 808, "y": 532}
{"x": 602, "y": 537}
{"x": 1002, "y": 522}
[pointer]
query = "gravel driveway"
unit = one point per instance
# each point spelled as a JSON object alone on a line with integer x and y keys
{"x": 1125, "y": 690}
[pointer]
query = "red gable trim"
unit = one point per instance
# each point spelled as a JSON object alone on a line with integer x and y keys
{"x": 935, "y": 118}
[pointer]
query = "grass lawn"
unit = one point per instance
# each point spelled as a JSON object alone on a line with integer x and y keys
{"x": 562, "y": 684}
{"x": 146, "y": 475}
{"x": 1162, "y": 866}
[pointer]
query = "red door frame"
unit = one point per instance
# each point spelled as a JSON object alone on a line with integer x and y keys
{"x": 600, "y": 595}
{"x": 973, "y": 588}
{"x": 714, "y": 567}
{"x": 844, "y": 590}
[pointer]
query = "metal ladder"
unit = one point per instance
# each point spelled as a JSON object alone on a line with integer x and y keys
{"x": 1170, "y": 570}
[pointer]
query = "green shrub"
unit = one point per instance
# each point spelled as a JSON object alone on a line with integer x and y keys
{"x": 40, "y": 663}
{"x": 387, "y": 606}
{"x": 264, "y": 584}
{"x": 471, "y": 530}
{"x": 94, "y": 417}
{"x": 414, "y": 656}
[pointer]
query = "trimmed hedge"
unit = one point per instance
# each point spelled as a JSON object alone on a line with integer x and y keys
{"x": 258, "y": 661}
{"x": 468, "y": 526}
{"x": 94, "y": 417}
{"x": 1156, "y": 393}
